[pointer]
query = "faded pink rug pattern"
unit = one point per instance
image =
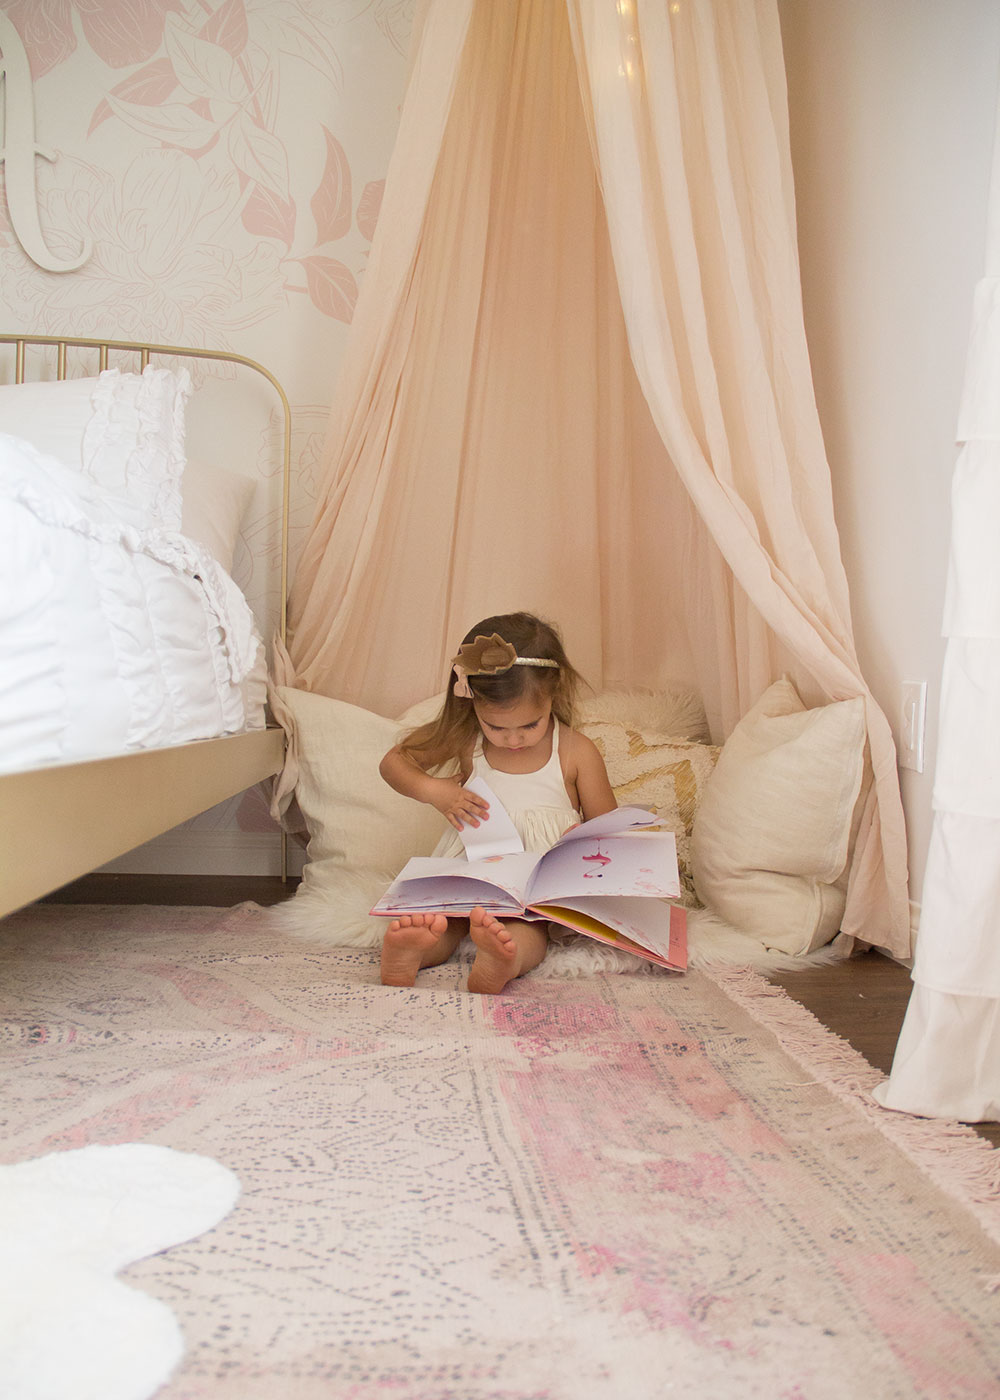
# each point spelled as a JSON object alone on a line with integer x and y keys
{"x": 580, "y": 1190}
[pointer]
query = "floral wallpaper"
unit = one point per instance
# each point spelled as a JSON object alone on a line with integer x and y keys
{"x": 224, "y": 160}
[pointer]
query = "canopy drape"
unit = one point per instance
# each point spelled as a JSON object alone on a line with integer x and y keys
{"x": 947, "y": 1061}
{"x": 578, "y": 383}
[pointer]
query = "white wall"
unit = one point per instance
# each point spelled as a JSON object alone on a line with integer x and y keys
{"x": 892, "y": 108}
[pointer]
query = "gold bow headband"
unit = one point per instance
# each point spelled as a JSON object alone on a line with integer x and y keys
{"x": 489, "y": 656}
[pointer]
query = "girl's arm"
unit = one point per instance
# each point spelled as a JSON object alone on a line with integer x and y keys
{"x": 593, "y": 786}
{"x": 451, "y": 799}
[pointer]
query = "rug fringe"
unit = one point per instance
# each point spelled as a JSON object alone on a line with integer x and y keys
{"x": 958, "y": 1161}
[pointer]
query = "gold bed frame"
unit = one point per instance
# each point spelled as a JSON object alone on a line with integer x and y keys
{"x": 50, "y": 832}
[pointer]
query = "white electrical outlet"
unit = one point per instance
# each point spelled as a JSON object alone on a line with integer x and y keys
{"x": 911, "y": 725}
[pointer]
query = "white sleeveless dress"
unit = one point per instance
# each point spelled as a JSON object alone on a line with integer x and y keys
{"x": 538, "y": 803}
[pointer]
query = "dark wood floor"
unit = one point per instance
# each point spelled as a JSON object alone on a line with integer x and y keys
{"x": 221, "y": 890}
{"x": 863, "y": 999}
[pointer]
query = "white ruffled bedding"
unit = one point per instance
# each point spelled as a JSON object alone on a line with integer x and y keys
{"x": 114, "y": 634}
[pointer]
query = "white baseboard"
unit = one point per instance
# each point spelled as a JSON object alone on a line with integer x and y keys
{"x": 227, "y": 852}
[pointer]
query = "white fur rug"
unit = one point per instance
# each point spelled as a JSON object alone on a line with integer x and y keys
{"x": 69, "y": 1221}
{"x": 344, "y": 923}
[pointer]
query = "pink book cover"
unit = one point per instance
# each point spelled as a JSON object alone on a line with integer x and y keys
{"x": 650, "y": 929}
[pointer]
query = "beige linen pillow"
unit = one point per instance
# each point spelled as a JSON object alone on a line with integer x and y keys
{"x": 771, "y": 838}
{"x": 666, "y": 775}
{"x": 671, "y": 711}
{"x": 361, "y": 832}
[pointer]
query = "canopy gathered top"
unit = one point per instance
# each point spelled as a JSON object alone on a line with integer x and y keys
{"x": 578, "y": 383}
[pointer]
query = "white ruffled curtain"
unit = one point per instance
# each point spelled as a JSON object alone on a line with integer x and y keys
{"x": 578, "y": 383}
{"x": 947, "y": 1061}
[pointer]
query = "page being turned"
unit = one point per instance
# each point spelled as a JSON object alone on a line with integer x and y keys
{"x": 497, "y": 835}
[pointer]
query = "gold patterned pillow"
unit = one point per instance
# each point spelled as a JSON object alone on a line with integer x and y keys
{"x": 664, "y": 774}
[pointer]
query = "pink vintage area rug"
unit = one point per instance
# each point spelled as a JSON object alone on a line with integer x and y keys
{"x": 586, "y": 1189}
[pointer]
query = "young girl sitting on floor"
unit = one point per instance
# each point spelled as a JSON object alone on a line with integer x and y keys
{"x": 507, "y": 718}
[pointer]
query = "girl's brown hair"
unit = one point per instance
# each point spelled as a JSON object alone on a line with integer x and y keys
{"x": 453, "y": 734}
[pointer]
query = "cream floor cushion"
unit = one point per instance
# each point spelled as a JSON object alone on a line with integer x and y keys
{"x": 763, "y": 825}
{"x": 772, "y": 835}
{"x": 361, "y": 832}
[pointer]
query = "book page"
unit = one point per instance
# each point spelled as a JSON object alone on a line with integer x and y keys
{"x": 651, "y": 923}
{"x": 450, "y": 885}
{"x": 446, "y": 895}
{"x": 613, "y": 823}
{"x": 497, "y": 835}
{"x": 640, "y": 863}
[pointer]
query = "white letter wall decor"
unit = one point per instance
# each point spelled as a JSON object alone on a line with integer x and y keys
{"x": 19, "y": 152}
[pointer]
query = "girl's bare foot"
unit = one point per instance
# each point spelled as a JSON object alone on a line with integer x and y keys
{"x": 496, "y": 953}
{"x": 406, "y": 944}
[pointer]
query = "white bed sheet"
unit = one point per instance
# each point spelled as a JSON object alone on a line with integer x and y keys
{"x": 113, "y": 636}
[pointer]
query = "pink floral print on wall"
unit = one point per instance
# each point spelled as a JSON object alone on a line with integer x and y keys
{"x": 198, "y": 92}
{"x": 119, "y": 35}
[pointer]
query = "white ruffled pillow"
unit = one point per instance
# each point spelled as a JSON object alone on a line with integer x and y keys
{"x": 133, "y": 443}
{"x": 125, "y": 432}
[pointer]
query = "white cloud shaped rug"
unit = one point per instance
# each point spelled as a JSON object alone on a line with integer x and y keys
{"x": 69, "y": 1221}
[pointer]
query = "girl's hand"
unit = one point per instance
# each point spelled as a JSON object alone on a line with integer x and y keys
{"x": 458, "y": 804}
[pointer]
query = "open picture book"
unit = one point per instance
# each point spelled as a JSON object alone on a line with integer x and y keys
{"x": 607, "y": 878}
